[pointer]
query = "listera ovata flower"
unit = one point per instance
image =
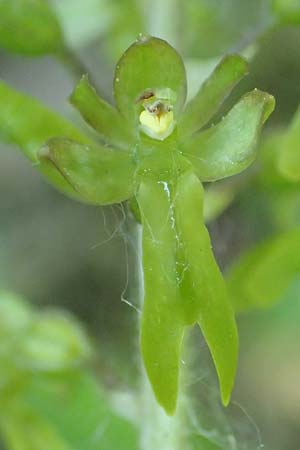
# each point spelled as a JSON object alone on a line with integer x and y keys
{"x": 158, "y": 151}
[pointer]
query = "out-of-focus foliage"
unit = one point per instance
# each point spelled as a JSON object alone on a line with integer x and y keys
{"x": 49, "y": 400}
{"x": 97, "y": 14}
{"x": 287, "y": 11}
{"x": 29, "y": 27}
{"x": 216, "y": 201}
{"x": 261, "y": 277}
{"x": 213, "y": 27}
{"x": 289, "y": 156}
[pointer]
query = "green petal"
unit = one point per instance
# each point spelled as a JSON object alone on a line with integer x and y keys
{"x": 27, "y": 123}
{"x": 149, "y": 63}
{"x": 100, "y": 175}
{"x": 203, "y": 284}
{"x": 29, "y": 27}
{"x": 289, "y": 155}
{"x": 162, "y": 324}
{"x": 212, "y": 93}
{"x": 230, "y": 147}
{"x": 104, "y": 118}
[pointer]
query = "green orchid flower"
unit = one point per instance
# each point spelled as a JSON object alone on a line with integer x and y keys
{"x": 155, "y": 150}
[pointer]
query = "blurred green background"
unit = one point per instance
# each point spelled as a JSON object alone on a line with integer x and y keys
{"x": 54, "y": 251}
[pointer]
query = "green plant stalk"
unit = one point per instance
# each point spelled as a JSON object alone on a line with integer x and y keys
{"x": 158, "y": 429}
{"x": 76, "y": 67}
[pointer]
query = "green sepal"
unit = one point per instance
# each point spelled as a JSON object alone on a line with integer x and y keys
{"x": 150, "y": 63}
{"x": 25, "y": 122}
{"x": 162, "y": 320}
{"x": 100, "y": 115}
{"x": 100, "y": 175}
{"x": 202, "y": 286}
{"x": 230, "y": 147}
{"x": 212, "y": 93}
{"x": 29, "y": 27}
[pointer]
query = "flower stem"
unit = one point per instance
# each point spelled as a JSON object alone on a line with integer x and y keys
{"x": 76, "y": 67}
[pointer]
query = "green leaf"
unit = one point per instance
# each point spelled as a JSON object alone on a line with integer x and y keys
{"x": 203, "y": 286}
{"x": 162, "y": 320}
{"x": 15, "y": 318}
{"x": 210, "y": 27}
{"x": 53, "y": 341}
{"x": 287, "y": 11}
{"x": 262, "y": 274}
{"x": 100, "y": 175}
{"x": 125, "y": 23}
{"x": 15, "y": 314}
{"x": 63, "y": 411}
{"x": 83, "y": 21}
{"x": 22, "y": 429}
{"x": 24, "y": 121}
{"x": 230, "y": 147}
{"x": 48, "y": 401}
{"x": 289, "y": 154}
{"x": 212, "y": 93}
{"x": 29, "y": 27}
{"x": 73, "y": 404}
{"x": 33, "y": 341}
{"x": 217, "y": 198}
{"x": 149, "y": 64}
{"x": 201, "y": 442}
{"x": 103, "y": 117}
{"x": 269, "y": 176}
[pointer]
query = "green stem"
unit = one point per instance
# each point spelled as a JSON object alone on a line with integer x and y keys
{"x": 162, "y": 18}
{"x": 158, "y": 431}
{"x": 76, "y": 67}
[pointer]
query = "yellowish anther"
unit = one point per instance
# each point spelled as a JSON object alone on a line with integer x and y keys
{"x": 157, "y": 126}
